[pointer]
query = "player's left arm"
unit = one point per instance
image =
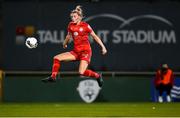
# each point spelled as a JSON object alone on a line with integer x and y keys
{"x": 99, "y": 41}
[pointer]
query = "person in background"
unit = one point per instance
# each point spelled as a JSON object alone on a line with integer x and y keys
{"x": 164, "y": 81}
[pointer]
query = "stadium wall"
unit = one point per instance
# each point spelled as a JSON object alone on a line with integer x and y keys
{"x": 29, "y": 88}
{"x": 139, "y": 35}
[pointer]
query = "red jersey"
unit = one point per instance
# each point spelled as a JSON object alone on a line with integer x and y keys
{"x": 80, "y": 34}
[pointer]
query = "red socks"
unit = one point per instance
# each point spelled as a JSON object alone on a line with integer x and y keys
{"x": 55, "y": 68}
{"x": 91, "y": 73}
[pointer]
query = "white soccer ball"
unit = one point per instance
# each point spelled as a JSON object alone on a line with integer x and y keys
{"x": 31, "y": 42}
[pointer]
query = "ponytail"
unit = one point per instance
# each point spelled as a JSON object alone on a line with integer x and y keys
{"x": 78, "y": 10}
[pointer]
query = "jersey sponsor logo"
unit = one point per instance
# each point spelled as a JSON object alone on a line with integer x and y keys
{"x": 75, "y": 33}
{"x": 88, "y": 90}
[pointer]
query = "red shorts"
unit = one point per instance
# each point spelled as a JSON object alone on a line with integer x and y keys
{"x": 82, "y": 55}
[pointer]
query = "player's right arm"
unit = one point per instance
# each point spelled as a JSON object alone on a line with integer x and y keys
{"x": 68, "y": 37}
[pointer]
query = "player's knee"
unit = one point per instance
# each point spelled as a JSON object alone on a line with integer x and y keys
{"x": 57, "y": 58}
{"x": 81, "y": 73}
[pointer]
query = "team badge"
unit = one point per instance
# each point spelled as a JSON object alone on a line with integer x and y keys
{"x": 88, "y": 90}
{"x": 81, "y": 29}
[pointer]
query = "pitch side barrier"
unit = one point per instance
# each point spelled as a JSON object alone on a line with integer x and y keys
{"x": 73, "y": 73}
{"x": 25, "y": 86}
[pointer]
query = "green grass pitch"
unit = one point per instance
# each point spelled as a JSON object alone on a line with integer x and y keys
{"x": 89, "y": 110}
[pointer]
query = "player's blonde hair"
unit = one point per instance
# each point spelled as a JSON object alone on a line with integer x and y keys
{"x": 78, "y": 10}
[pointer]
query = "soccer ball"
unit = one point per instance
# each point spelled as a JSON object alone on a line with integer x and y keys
{"x": 31, "y": 42}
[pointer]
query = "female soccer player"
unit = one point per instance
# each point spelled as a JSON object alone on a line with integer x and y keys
{"x": 79, "y": 31}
